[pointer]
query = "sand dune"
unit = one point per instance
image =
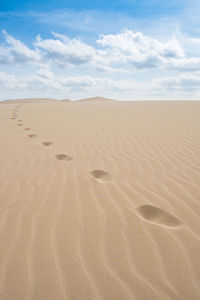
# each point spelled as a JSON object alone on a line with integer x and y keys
{"x": 100, "y": 201}
{"x": 96, "y": 99}
{"x": 28, "y": 100}
{"x": 65, "y": 100}
{"x": 44, "y": 100}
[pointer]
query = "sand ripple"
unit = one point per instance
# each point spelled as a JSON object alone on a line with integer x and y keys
{"x": 99, "y": 200}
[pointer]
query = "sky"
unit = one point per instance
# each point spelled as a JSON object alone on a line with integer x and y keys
{"x": 121, "y": 49}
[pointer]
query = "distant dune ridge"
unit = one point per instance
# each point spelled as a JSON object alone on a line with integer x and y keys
{"x": 96, "y": 99}
{"x": 28, "y": 100}
{"x": 42, "y": 100}
{"x": 65, "y": 100}
{"x": 99, "y": 199}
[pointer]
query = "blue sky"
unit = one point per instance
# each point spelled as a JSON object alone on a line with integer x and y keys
{"x": 121, "y": 49}
{"x": 127, "y": 6}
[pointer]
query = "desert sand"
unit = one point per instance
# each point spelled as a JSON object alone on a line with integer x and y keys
{"x": 99, "y": 200}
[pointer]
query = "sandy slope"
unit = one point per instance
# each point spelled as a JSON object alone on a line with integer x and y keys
{"x": 100, "y": 200}
{"x": 96, "y": 99}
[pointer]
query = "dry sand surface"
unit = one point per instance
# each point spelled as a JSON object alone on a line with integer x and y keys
{"x": 99, "y": 200}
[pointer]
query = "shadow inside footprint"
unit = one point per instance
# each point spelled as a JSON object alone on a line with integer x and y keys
{"x": 47, "y": 143}
{"x": 20, "y": 124}
{"x": 63, "y": 157}
{"x": 158, "y": 216}
{"x": 101, "y": 175}
{"x": 32, "y": 135}
{"x": 27, "y": 128}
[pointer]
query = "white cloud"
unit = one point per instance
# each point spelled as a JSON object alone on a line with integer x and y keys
{"x": 5, "y": 57}
{"x": 113, "y": 66}
{"x": 184, "y": 82}
{"x": 17, "y": 52}
{"x": 45, "y": 72}
{"x": 65, "y": 50}
{"x": 140, "y": 50}
{"x": 124, "y": 51}
{"x": 39, "y": 83}
{"x": 86, "y": 86}
{"x": 185, "y": 64}
{"x": 195, "y": 40}
{"x": 78, "y": 81}
{"x": 7, "y": 81}
{"x": 131, "y": 43}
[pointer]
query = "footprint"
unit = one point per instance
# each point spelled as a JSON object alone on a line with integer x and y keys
{"x": 63, "y": 157}
{"x": 32, "y": 135}
{"x": 158, "y": 216}
{"x": 101, "y": 175}
{"x": 13, "y": 118}
{"x": 20, "y": 124}
{"x": 47, "y": 143}
{"x": 20, "y": 121}
{"x": 28, "y": 128}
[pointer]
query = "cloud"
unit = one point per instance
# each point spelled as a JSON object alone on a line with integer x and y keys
{"x": 44, "y": 80}
{"x": 17, "y": 52}
{"x": 7, "y": 81}
{"x": 184, "y": 82}
{"x": 139, "y": 50}
{"x": 123, "y": 52}
{"x": 185, "y": 64}
{"x": 46, "y": 73}
{"x": 63, "y": 50}
{"x": 114, "y": 65}
{"x": 45, "y": 84}
{"x": 135, "y": 43}
{"x": 41, "y": 83}
{"x": 78, "y": 82}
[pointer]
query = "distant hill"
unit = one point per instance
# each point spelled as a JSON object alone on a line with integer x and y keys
{"x": 65, "y": 100}
{"x": 45, "y": 100}
{"x": 29, "y": 100}
{"x": 95, "y": 99}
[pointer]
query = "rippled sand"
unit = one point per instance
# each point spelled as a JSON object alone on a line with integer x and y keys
{"x": 99, "y": 200}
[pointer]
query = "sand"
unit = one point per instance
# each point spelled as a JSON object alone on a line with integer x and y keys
{"x": 99, "y": 200}
{"x": 96, "y": 99}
